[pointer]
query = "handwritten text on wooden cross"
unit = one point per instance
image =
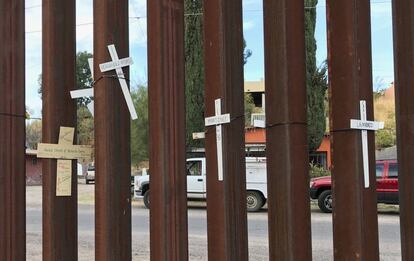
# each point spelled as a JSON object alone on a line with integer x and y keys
{"x": 84, "y": 93}
{"x": 64, "y": 151}
{"x": 218, "y": 120}
{"x": 117, "y": 64}
{"x": 365, "y": 126}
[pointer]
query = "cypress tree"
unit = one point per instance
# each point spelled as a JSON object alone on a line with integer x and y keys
{"x": 316, "y": 81}
{"x": 194, "y": 70}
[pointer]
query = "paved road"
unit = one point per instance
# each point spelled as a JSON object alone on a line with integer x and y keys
{"x": 321, "y": 234}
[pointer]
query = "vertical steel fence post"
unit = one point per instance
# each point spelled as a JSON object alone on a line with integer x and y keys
{"x": 60, "y": 237}
{"x": 60, "y": 216}
{"x": 286, "y": 120}
{"x": 404, "y": 90}
{"x": 226, "y": 200}
{"x": 355, "y": 223}
{"x": 168, "y": 213}
{"x": 12, "y": 132}
{"x": 112, "y": 137}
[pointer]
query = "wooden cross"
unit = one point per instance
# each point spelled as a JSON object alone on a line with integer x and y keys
{"x": 82, "y": 93}
{"x": 64, "y": 152}
{"x": 117, "y": 65}
{"x": 218, "y": 120}
{"x": 365, "y": 126}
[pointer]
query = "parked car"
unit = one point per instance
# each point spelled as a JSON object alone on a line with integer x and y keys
{"x": 196, "y": 182}
{"x": 90, "y": 174}
{"x": 387, "y": 186}
{"x": 80, "y": 170}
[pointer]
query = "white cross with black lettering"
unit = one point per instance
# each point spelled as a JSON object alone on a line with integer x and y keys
{"x": 365, "y": 126}
{"x": 117, "y": 64}
{"x": 218, "y": 120}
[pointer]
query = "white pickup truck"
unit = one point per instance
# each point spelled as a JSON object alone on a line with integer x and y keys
{"x": 196, "y": 182}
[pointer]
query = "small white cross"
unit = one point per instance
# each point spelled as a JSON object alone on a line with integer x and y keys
{"x": 82, "y": 93}
{"x": 199, "y": 135}
{"x": 218, "y": 120}
{"x": 365, "y": 126}
{"x": 259, "y": 124}
{"x": 117, "y": 64}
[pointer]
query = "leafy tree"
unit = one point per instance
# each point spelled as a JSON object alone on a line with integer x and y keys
{"x": 247, "y": 52}
{"x": 384, "y": 107}
{"x": 33, "y": 134}
{"x": 316, "y": 82}
{"x": 85, "y": 123}
{"x": 249, "y": 108}
{"x": 83, "y": 76}
{"x": 140, "y": 127}
{"x": 85, "y": 126}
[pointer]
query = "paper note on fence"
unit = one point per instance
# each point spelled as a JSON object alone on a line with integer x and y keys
{"x": 66, "y": 135}
{"x": 64, "y": 178}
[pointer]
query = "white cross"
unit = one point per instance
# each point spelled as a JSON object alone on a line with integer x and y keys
{"x": 259, "y": 124}
{"x": 365, "y": 126}
{"x": 218, "y": 120}
{"x": 199, "y": 135}
{"x": 85, "y": 92}
{"x": 117, "y": 64}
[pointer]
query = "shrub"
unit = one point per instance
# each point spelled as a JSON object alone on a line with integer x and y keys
{"x": 318, "y": 171}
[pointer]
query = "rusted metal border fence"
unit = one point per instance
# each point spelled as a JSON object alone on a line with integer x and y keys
{"x": 350, "y": 79}
{"x": 226, "y": 200}
{"x": 404, "y": 94}
{"x": 355, "y": 222}
{"x": 12, "y": 132}
{"x": 286, "y": 131}
{"x": 112, "y": 134}
{"x": 60, "y": 215}
{"x": 168, "y": 213}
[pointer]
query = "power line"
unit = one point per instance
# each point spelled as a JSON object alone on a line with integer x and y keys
{"x": 198, "y": 14}
{"x": 83, "y": 24}
{"x": 32, "y": 7}
{"x": 306, "y": 7}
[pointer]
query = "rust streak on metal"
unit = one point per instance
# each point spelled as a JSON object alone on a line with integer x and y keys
{"x": 168, "y": 223}
{"x": 287, "y": 146}
{"x": 12, "y": 134}
{"x": 226, "y": 200}
{"x": 404, "y": 81}
{"x": 355, "y": 223}
{"x": 112, "y": 135}
{"x": 60, "y": 236}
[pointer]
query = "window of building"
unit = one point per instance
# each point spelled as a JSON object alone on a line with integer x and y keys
{"x": 319, "y": 159}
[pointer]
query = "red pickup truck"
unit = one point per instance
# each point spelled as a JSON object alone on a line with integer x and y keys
{"x": 387, "y": 186}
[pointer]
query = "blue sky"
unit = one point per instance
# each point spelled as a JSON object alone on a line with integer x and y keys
{"x": 382, "y": 47}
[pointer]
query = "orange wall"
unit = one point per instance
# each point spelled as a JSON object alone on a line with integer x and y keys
{"x": 258, "y": 136}
{"x": 255, "y": 136}
{"x": 326, "y": 147}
